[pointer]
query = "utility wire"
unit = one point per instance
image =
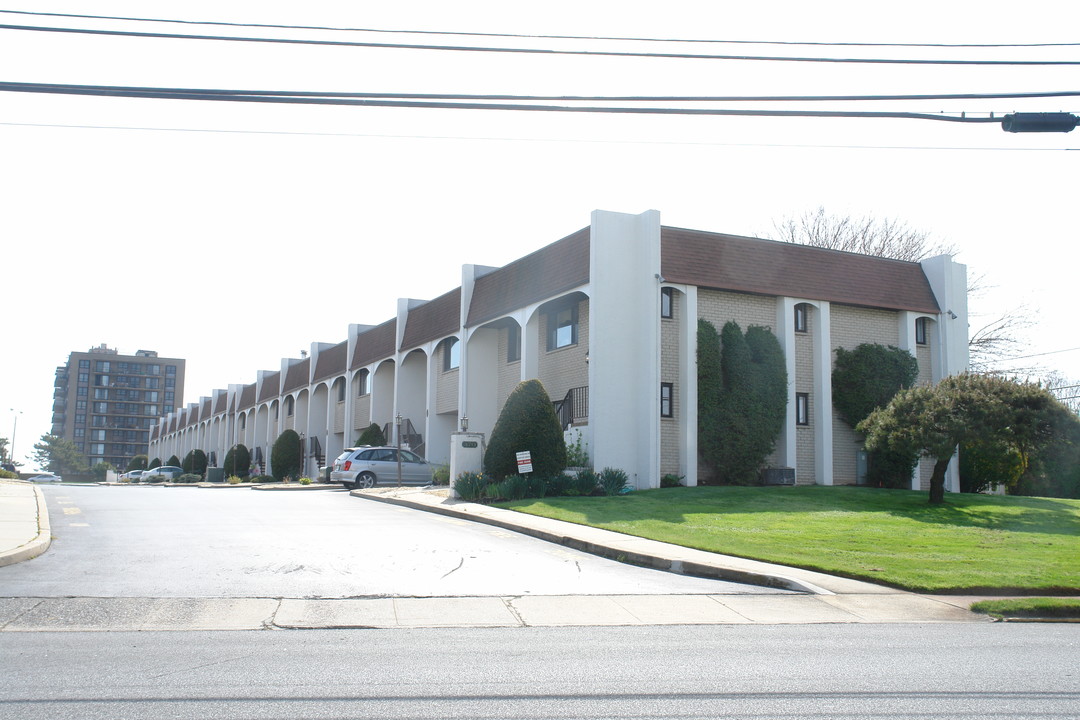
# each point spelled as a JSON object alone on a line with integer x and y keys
{"x": 539, "y": 51}
{"x": 225, "y": 96}
{"x": 589, "y": 98}
{"x": 540, "y": 37}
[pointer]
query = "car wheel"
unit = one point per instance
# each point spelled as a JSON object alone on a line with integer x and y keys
{"x": 365, "y": 480}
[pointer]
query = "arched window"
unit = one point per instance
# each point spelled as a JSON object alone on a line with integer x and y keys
{"x": 451, "y": 352}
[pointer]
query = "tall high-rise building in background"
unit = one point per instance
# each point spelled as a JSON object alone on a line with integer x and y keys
{"x": 106, "y": 403}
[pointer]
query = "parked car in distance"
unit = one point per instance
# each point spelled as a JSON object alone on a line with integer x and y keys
{"x": 132, "y": 475}
{"x": 163, "y": 473}
{"x": 366, "y": 467}
{"x": 46, "y": 477}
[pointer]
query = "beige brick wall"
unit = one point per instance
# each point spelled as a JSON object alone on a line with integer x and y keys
{"x": 361, "y": 414}
{"x": 509, "y": 375}
{"x": 446, "y": 383}
{"x": 852, "y": 326}
{"x": 669, "y": 372}
{"x": 565, "y": 368}
{"x": 804, "y": 383}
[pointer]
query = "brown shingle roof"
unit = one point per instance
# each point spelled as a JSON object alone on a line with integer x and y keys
{"x": 271, "y": 385}
{"x": 433, "y": 320}
{"x": 559, "y": 267}
{"x": 375, "y": 344}
{"x": 205, "y": 413}
{"x": 331, "y": 361}
{"x": 297, "y": 375}
{"x": 220, "y": 402}
{"x": 769, "y": 267}
{"x": 247, "y": 396}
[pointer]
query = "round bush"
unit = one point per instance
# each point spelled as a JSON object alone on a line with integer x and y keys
{"x": 286, "y": 455}
{"x": 527, "y": 422}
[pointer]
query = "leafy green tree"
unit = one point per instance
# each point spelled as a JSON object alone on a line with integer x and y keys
{"x": 527, "y": 422}
{"x": 286, "y": 456}
{"x": 741, "y": 409}
{"x": 237, "y": 460}
{"x": 60, "y": 456}
{"x": 4, "y": 450}
{"x": 101, "y": 470}
{"x": 136, "y": 463}
{"x": 867, "y": 378}
{"x": 155, "y": 463}
{"x": 986, "y": 464}
{"x": 173, "y": 461}
{"x": 372, "y": 435}
{"x": 934, "y": 420}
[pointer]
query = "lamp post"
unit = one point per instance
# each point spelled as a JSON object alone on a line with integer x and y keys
{"x": 397, "y": 426}
{"x": 14, "y": 427}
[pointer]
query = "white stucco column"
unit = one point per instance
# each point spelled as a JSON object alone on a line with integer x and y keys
{"x": 823, "y": 421}
{"x": 688, "y": 375}
{"x": 785, "y": 334}
{"x": 624, "y": 344}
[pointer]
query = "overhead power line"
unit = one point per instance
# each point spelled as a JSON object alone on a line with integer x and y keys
{"x": 583, "y": 98}
{"x": 310, "y": 99}
{"x": 539, "y": 36}
{"x": 541, "y": 51}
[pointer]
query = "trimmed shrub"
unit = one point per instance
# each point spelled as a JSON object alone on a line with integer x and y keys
{"x": 155, "y": 463}
{"x": 259, "y": 479}
{"x": 742, "y": 399}
{"x": 372, "y": 435}
{"x": 558, "y": 485}
{"x": 470, "y": 486}
{"x": 613, "y": 481}
{"x": 514, "y": 487}
{"x": 8, "y": 475}
{"x": 527, "y": 422}
{"x": 286, "y": 456}
{"x": 671, "y": 480}
{"x": 234, "y": 480}
{"x": 172, "y": 461}
{"x": 195, "y": 462}
{"x": 137, "y": 463}
{"x": 586, "y": 482}
{"x": 237, "y": 460}
{"x": 441, "y": 476}
{"x": 101, "y": 470}
{"x": 188, "y": 479}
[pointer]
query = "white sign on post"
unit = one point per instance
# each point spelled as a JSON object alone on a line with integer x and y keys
{"x": 524, "y": 462}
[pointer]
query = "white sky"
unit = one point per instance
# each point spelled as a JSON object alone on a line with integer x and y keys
{"x": 233, "y": 234}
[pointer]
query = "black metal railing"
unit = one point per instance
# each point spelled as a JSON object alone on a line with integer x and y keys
{"x": 573, "y": 408}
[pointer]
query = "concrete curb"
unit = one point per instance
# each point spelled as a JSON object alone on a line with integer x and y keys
{"x": 38, "y": 545}
{"x": 295, "y": 487}
{"x": 716, "y": 571}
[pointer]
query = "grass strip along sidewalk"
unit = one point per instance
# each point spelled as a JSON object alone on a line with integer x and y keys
{"x": 971, "y": 544}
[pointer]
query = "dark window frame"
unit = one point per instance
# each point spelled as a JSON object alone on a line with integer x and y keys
{"x": 513, "y": 343}
{"x": 667, "y": 303}
{"x": 802, "y": 409}
{"x": 448, "y": 359}
{"x": 920, "y": 331}
{"x": 802, "y": 323}
{"x": 667, "y": 400}
{"x": 553, "y": 327}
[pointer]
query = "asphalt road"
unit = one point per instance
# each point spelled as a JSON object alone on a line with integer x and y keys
{"x": 1000, "y": 671}
{"x": 155, "y": 542}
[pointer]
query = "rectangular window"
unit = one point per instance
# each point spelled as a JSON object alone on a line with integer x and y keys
{"x": 802, "y": 408}
{"x": 667, "y": 400}
{"x": 80, "y": 432}
{"x": 920, "y": 331}
{"x": 451, "y": 354}
{"x": 170, "y": 370}
{"x": 84, "y": 377}
{"x": 102, "y": 366}
{"x": 84, "y": 364}
{"x": 667, "y": 302}
{"x": 102, "y": 380}
{"x": 80, "y": 419}
{"x": 81, "y": 392}
{"x": 562, "y": 328}
{"x": 362, "y": 383}
{"x": 170, "y": 382}
{"x": 513, "y": 343}
{"x": 340, "y": 392}
{"x": 800, "y": 318}
{"x": 154, "y": 369}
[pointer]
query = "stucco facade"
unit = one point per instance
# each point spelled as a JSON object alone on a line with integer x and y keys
{"x": 607, "y": 319}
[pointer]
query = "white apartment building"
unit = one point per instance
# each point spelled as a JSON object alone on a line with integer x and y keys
{"x": 606, "y": 319}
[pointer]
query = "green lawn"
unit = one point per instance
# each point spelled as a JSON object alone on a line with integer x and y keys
{"x": 972, "y": 543}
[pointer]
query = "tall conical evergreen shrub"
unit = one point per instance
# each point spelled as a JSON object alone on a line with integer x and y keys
{"x": 527, "y": 422}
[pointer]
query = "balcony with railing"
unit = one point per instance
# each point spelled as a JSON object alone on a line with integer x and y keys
{"x": 574, "y": 408}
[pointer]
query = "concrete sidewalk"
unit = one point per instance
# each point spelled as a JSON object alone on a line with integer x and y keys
{"x": 24, "y": 522}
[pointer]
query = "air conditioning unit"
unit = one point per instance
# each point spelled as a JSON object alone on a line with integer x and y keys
{"x": 778, "y": 476}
